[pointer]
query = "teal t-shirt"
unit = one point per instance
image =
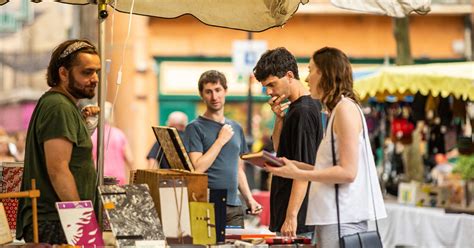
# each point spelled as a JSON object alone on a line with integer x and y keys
{"x": 200, "y": 135}
{"x": 55, "y": 116}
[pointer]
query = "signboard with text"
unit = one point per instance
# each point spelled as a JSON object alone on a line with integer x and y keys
{"x": 245, "y": 54}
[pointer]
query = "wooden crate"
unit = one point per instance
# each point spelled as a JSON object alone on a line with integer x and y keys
{"x": 196, "y": 183}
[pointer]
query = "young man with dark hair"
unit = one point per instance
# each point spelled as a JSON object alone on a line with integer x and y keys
{"x": 58, "y": 144}
{"x": 296, "y": 135}
{"x": 215, "y": 144}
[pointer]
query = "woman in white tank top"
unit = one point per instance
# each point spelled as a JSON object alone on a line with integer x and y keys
{"x": 330, "y": 80}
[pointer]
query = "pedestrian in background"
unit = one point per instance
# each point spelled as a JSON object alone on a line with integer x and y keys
{"x": 118, "y": 158}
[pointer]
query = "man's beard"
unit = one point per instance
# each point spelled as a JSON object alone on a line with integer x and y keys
{"x": 77, "y": 91}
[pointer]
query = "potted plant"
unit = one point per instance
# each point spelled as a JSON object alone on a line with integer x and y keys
{"x": 465, "y": 167}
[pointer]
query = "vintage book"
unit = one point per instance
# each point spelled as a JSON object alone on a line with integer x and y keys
{"x": 5, "y": 234}
{"x": 175, "y": 211}
{"x": 203, "y": 223}
{"x": 11, "y": 176}
{"x": 196, "y": 183}
{"x": 150, "y": 244}
{"x": 79, "y": 223}
{"x": 261, "y": 158}
{"x": 248, "y": 233}
{"x": 131, "y": 213}
{"x": 219, "y": 198}
{"x": 173, "y": 148}
{"x": 287, "y": 240}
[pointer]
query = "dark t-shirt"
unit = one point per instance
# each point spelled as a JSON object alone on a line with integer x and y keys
{"x": 200, "y": 135}
{"x": 299, "y": 140}
{"x": 55, "y": 116}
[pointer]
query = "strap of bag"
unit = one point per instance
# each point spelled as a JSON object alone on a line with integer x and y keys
{"x": 335, "y": 185}
{"x": 368, "y": 170}
{"x": 368, "y": 165}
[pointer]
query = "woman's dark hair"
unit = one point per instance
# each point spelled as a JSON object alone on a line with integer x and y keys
{"x": 65, "y": 55}
{"x": 211, "y": 76}
{"x": 276, "y": 62}
{"x": 336, "y": 79}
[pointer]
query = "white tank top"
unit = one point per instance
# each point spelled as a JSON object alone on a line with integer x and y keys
{"x": 355, "y": 201}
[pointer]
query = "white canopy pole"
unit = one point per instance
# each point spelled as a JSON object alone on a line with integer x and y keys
{"x": 102, "y": 91}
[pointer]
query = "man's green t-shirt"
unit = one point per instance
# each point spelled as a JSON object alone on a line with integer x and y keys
{"x": 55, "y": 116}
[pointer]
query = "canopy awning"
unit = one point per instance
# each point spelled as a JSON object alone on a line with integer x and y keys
{"x": 437, "y": 79}
{"x": 247, "y": 15}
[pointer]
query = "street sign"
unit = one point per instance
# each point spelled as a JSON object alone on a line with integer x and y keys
{"x": 245, "y": 55}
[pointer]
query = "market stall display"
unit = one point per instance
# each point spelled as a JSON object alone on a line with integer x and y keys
{"x": 5, "y": 235}
{"x": 425, "y": 227}
{"x": 11, "y": 174}
{"x": 79, "y": 223}
{"x": 174, "y": 211}
{"x": 131, "y": 213}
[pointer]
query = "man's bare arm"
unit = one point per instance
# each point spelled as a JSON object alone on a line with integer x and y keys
{"x": 58, "y": 155}
{"x": 277, "y": 132}
{"x": 202, "y": 161}
{"x": 255, "y": 207}
{"x": 298, "y": 192}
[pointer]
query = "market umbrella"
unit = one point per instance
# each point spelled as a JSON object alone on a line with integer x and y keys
{"x": 436, "y": 79}
{"x": 246, "y": 15}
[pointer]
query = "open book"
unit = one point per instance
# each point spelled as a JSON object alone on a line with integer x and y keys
{"x": 173, "y": 148}
{"x": 261, "y": 158}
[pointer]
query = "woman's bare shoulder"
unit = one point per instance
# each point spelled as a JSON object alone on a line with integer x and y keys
{"x": 347, "y": 114}
{"x": 347, "y": 107}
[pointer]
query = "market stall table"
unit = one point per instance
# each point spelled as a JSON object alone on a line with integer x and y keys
{"x": 425, "y": 227}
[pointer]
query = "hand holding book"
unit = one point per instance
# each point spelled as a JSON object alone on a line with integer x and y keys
{"x": 262, "y": 159}
{"x": 291, "y": 169}
{"x": 278, "y": 166}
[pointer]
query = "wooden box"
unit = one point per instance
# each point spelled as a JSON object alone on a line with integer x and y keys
{"x": 196, "y": 183}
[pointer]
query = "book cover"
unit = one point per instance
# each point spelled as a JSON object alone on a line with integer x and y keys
{"x": 261, "y": 158}
{"x": 219, "y": 198}
{"x": 173, "y": 148}
{"x": 131, "y": 213}
{"x": 5, "y": 234}
{"x": 11, "y": 176}
{"x": 174, "y": 204}
{"x": 79, "y": 223}
{"x": 203, "y": 223}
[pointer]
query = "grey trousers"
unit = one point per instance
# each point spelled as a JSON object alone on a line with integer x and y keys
{"x": 234, "y": 216}
{"x": 327, "y": 236}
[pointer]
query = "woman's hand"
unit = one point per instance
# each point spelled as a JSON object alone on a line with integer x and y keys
{"x": 289, "y": 170}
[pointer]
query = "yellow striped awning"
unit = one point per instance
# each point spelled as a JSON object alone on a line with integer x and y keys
{"x": 437, "y": 79}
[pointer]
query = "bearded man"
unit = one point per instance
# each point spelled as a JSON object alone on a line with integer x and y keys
{"x": 58, "y": 145}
